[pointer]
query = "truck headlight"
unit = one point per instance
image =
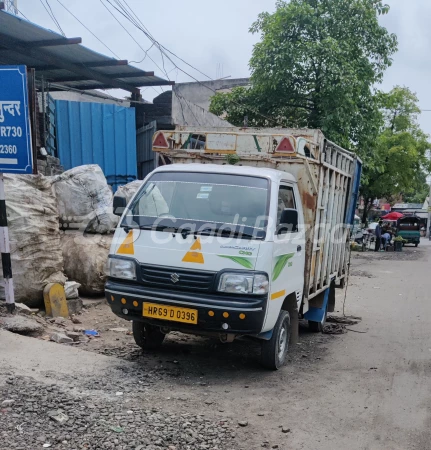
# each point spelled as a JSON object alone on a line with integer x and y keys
{"x": 122, "y": 268}
{"x": 247, "y": 283}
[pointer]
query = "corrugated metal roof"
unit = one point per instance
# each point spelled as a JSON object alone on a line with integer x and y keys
{"x": 60, "y": 61}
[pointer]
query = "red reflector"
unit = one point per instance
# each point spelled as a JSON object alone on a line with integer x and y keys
{"x": 285, "y": 145}
{"x": 160, "y": 141}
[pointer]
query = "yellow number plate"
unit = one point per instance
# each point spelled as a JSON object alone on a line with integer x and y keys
{"x": 172, "y": 313}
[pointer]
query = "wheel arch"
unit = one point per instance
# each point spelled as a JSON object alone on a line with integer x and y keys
{"x": 290, "y": 305}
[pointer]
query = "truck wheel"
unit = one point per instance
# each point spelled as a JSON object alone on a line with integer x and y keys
{"x": 274, "y": 351}
{"x": 317, "y": 327}
{"x": 147, "y": 336}
{"x": 416, "y": 244}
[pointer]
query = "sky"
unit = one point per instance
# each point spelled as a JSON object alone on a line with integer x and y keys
{"x": 214, "y": 37}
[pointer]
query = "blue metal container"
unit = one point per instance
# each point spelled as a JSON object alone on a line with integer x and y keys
{"x": 98, "y": 133}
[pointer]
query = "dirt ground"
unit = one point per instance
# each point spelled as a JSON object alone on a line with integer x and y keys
{"x": 367, "y": 389}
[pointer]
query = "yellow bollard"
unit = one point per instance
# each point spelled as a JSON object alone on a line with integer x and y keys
{"x": 55, "y": 300}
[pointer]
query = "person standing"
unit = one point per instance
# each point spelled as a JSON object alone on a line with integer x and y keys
{"x": 378, "y": 236}
{"x": 386, "y": 239}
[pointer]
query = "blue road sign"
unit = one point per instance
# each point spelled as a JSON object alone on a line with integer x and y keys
{"x": 15, "y": 136}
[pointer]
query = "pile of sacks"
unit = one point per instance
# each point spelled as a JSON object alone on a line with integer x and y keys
{"x": 87, "y": 221}
{"x": 60, "y": 228}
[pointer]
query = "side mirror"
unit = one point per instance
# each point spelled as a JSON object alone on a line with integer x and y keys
{"x": 120, "y": 204}
{"x": 288, "y": 221}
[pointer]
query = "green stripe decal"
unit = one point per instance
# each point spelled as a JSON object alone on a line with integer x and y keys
{"x": 259, "y": 149}
{"x": 245, "y": 262}
{"x": 280, "y": 264}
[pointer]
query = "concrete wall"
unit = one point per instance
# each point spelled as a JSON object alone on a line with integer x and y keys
{"x": 171, "y": 109}
{"x": 160, "y": 111}
{"x": 186, "y": 113}
{"x": 200, "y": 95}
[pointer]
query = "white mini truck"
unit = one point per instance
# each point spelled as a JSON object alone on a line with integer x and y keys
{"x": 240, "y": 233}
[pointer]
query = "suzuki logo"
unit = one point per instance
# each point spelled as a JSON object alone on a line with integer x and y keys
{"x": 175, "y": 278}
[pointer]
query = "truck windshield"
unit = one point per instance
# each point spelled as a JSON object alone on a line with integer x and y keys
{"x": 201, "y": 202}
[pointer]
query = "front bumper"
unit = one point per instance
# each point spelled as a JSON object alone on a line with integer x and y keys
{"x": 244, "y": 316}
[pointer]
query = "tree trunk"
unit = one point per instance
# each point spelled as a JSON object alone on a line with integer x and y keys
{"x": 367, "y": 202}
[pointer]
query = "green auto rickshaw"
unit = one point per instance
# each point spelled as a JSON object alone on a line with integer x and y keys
{"x": 409, "y": 228}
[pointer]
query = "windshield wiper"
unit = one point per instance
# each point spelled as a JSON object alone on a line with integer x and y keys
{"x": 150, "y": 226}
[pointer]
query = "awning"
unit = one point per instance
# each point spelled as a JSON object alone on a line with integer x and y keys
{"x": 64, "y": 62}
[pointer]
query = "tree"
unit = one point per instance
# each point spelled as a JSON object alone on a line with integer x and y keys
{"x": 400, "y": 158}
{"x": 420, "y": 190}
{"x": 315, "y": 66}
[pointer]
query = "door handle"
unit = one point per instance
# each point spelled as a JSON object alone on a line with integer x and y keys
{"x": 299, "y": 248}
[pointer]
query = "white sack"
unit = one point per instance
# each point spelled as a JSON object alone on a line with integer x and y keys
{"x": 71, "y": 289}
{"x": 85, "y": 258}
{"x": 84, "y": 199}
{"x": 34, "y": 237}
{"x": 128, "y": 190}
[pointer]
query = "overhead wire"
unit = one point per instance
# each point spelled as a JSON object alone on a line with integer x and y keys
{"x": 67, "y": 47}
{"x": 165, "y": 48}
{"x": 23, "y": 15}
{"x": 130, "y": 19}
{"x": 140, "y": 46}
{"x": 88, "y": 29}
{"x": 55, "y": 18}
{"x": 52, "y": 17}
{"x": 162, "y": 49}
{"x": 128, "y": 32}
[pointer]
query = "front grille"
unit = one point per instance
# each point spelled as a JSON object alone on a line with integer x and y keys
{"x": 175, "y": 278}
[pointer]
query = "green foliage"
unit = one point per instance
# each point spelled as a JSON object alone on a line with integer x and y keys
{"x": 400, "y": 158}
{"x": 233, "y": 159}
{"x": 400, "y": 239}
{"x": 315, "y": 66}
{"x": 419, "y": 190}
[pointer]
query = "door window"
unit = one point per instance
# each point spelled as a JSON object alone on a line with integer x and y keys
{"x": 286, "y": 200}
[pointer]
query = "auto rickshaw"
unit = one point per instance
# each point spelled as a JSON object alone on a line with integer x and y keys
{"x": 409, "y": 228}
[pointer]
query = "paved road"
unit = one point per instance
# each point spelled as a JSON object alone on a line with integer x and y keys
{"x": 373, "y": 390}
{"x": 358, "y": 391}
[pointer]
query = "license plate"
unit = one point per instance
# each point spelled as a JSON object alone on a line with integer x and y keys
{"x": 172, "y": 313}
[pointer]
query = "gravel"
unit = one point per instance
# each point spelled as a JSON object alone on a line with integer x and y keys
{"x": 46, "y": 416}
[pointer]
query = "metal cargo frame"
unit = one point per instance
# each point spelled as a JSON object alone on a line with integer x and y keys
{"x": 328, "y": 180}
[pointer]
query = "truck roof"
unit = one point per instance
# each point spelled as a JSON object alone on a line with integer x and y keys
{"x": 262, "y": 172}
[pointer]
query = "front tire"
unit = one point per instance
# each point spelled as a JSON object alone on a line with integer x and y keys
{"x": 274, "y": 351}
{"x": 148, "y": 337}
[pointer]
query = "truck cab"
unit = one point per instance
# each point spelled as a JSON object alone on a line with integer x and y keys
{"x": 203, "y": 249}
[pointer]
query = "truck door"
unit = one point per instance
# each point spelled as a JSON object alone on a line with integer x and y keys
{"x": 289, "y": 250}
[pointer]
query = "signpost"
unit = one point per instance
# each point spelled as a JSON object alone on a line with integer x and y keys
{"x": 15, "y": 153}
